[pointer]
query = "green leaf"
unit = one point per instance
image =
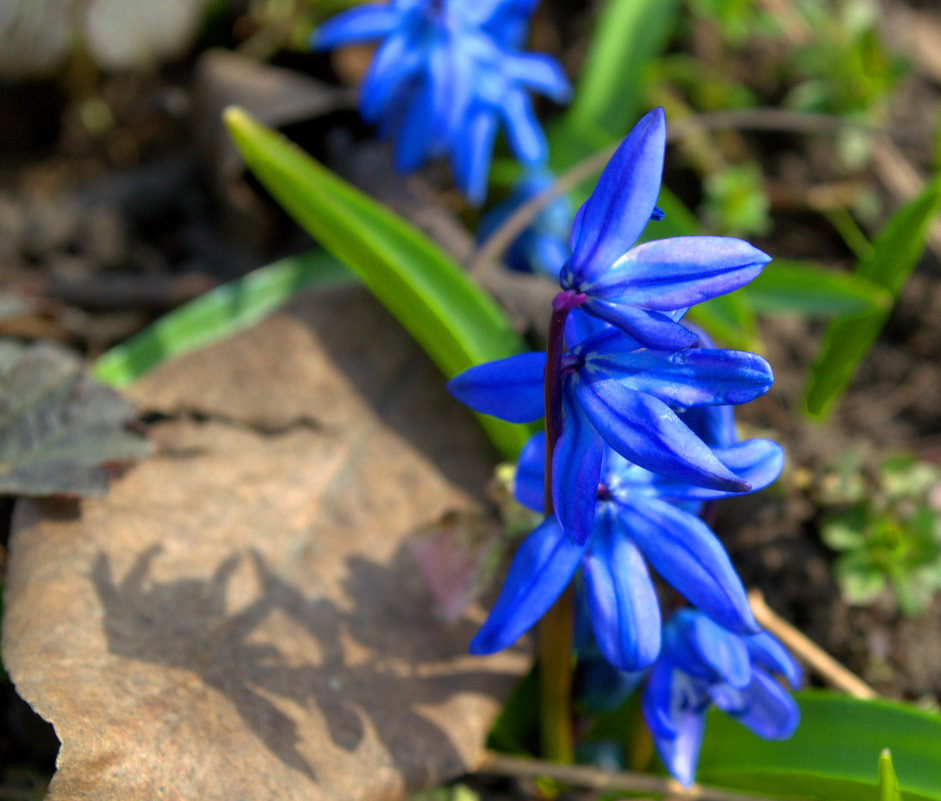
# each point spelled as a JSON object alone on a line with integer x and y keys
{"x": 846, "y": 341}
{"x": 790, "y": 287}
{"x": 888, "y": 781}
{"x": 832, "y": 756}
{"x": 455, "y": 321}
{"x": 218, "y": 314}
{"x": 627, "y": 36}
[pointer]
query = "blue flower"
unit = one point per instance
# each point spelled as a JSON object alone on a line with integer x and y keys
{"x": 644, "y": 290}
{"x": 639, "y": 518}
{"x": 445, "y": 77}
{"x": 703, "y": 664}
{"x": 543, "y": 246}
{"x": 617, "y": 393}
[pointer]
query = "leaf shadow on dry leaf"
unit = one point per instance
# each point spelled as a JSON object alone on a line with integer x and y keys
{"x": 241, "y": 616}
{"x": 142, "y": 617}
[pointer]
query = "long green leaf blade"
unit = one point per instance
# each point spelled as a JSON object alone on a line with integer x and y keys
{"x": 810, "y": 290}
{"x": 888, "y": 782}
{"x": 455, "y": 321}
{"x": 846, "y": 341}
{"x": 627, "y": 36}
{"x": 217, "y": 314}
{"x": 833, "y": 754}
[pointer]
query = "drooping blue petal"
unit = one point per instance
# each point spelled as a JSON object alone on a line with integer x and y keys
{"x": 540, "y": 73}
{"x": 657, "y": 701}
{"x": 757, "y": 461}
{"x": 715, "y": 425}
{"x": 670, "y": 273}
{"x": 680, "y": 755}
{"x": 625, "y": 612}
{"x": 396, "y": 62}
{"x": 688, "y": 378}
{"x": 361, "y": 24}
{"x": 541, "y": 569}
{"x": 651, "y": 329}
{"x": 621, "y": 205}
{"x": 576, "y": 469}
{"x": 764, "y": 707}
{"x": 528, "y": 483}
{"x": 766, "y": 651}
{"x": 683, "y": 550}
{"x": 417, "y": 134}
{"x": 524, "y": 135}
{"x": 723, "y": 652}
{"x": 648, "y": 433}
{"x": 511, "y": 388}
{"x": 470, "y": 160}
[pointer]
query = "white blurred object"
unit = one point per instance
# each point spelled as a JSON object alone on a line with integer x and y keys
{"x": 35, "y": 35}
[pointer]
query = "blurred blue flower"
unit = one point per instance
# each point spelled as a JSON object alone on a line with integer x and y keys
{"x": 614, "y": 392}
{"x": 701, "y": 664}
{"x": 445, "y": 77}
{"x": 639, "y": 517}
{"x": 645, "y": 289}
{"x": 543, "y": 246}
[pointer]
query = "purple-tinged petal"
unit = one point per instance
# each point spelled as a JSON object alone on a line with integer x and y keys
{"x": 576, "y": 470}
{"x": 682, "y": 549}
{"x": 541, "y": 569}
{"x": 511, "y": 388}
{"x": 625, "y": 611}
{"x": 766, "y": 651}
{"x": 688, "y": 378}
{"x": 360, "y": 24}
{"x": 650, "y": 328}
{"x": 757, "y": 461}
{"x": 765, "y": 707}
{"x": 528, "y": 484}
{"x": 670, "y": 273}
{"x": 621, "y": 204}
{"x": 648, "y": 433}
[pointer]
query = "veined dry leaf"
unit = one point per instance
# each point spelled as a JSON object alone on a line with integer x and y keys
{"x": 58, "y": 428}
{"x": 241, "y": 617}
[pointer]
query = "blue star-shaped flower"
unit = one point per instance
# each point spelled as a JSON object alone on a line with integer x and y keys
{"x": 618, "y": 393}
{"x": 640, "y": 517}
{"x": 703, "y": 664}
{"x": 645, "y": 289}
{"x": 446, "y": 75}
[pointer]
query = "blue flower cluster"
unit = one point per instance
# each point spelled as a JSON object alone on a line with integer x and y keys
{"x": 446, "y": 76}
{"x": 703, "y": 664}
{"x": 639, "y": 433}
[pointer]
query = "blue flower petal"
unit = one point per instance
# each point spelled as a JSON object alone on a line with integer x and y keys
{"x": 648, "y": 433}
{"x": 682, "y": 549}
{"x": 671, "y": 273}
{"x": 524, "y": 136}
{"x": 657, "y": 701}
{"x": 621, "y": 204}
{"x": 652, "y": 329}
{"x": 757, "y": 461}
{"x": 576, "y": 470}
{"x": 680, "y": 755}
{"x": 688, "y": 378}
{"x": 541, "y": 569}
{"x": 361, "y": 24}
{"x": 396, "y": 62}
{"x": 417, "y": 135}
{"x": 764, "y": 707}
{"x": 725, "y": 653}
{"x": 538, "y": 72}
{"x": 579, "y": 326}
{"x": 766, "y": 651}
{"x": 625, "y": 612}
{"x": 511, "y": 388}
{"x": 470, "y": 160}
{"x": 528, "y": 484}
{"x": 715, "y": 425}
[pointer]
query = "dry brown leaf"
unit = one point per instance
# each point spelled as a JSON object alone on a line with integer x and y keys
{"x": 240, "y": 618}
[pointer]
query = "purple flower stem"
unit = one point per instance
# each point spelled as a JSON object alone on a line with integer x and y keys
{"x": 556, "y": 626}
